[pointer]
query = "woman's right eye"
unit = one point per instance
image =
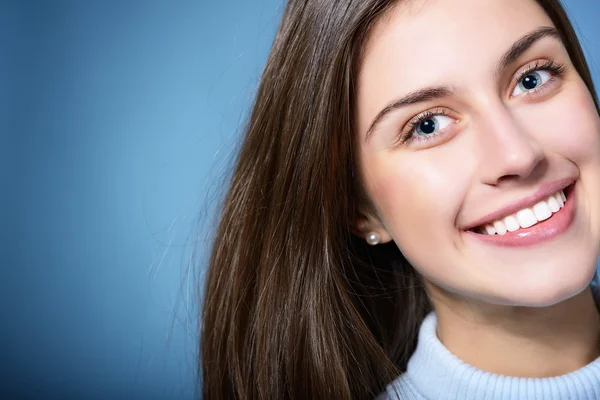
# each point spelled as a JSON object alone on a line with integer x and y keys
{"x": 427, "y": 126}
{"x": 430, "y": 126}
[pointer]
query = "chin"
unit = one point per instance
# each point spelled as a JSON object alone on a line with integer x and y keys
{"x": 544, "y": 290}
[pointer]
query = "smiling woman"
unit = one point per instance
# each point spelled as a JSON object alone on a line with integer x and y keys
{"x": 414, "y": 211}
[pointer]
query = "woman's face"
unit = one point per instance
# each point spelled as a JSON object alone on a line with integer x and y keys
{"x": 470, "y": 117}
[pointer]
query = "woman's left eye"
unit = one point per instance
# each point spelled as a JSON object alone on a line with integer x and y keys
{"x": 531, "y": 82}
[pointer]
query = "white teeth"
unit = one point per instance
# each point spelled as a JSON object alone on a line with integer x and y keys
{"x": 490, "y": 230}
{"x": 542, "y": 211}
{"x": 511, "y": 223}
{"x": 526, "y": 217}
{"x": 553, "y": 204}
{"x": 500, "y": 228}
{"x": 560, "y": 199}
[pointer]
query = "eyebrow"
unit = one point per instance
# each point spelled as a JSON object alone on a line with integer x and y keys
{"x": 440, "y": 92}
{"x": 523, "y": 44}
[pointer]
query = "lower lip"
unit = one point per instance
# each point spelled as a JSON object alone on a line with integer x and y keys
{"x": 540, "y": 232}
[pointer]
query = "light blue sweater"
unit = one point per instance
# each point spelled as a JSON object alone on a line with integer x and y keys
{"x": 435, "y": 373}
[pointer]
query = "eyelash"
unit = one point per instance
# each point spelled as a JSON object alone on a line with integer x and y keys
{"x": 417, "y": 120}
{"x": 556, "y": 70}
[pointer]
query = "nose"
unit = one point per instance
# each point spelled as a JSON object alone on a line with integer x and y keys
{"x": 509, "y": 151}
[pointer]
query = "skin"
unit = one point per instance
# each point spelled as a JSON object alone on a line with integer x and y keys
{"x": 498, "y": 144}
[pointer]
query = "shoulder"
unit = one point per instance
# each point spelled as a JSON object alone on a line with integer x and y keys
{"x": 383, "y": 396}
{"x": 402, "y": 388}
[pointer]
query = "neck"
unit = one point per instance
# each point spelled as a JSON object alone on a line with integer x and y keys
{"x": 521, "y": 341}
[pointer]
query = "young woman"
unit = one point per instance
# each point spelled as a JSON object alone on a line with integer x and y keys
{"x": 414, "y": 211}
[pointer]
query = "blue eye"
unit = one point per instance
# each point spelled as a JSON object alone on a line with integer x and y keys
{"x": 427, "y": 127}
{"x": 532, "y": 81}
{"x": 430, "y": 125}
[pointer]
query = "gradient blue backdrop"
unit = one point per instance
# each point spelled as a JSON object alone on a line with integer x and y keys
{"x": 117, "y": 120}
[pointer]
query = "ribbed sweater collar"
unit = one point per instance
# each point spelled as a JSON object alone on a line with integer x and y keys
{"x": 436, "y": 373}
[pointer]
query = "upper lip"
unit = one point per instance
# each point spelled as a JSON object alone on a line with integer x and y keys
{"x": 545, "y": 191}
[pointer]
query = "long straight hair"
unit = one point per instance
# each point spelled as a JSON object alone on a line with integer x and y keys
{"x": 295, "y": 306}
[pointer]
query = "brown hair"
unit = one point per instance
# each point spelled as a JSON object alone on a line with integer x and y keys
{"x": 295, "y": 306}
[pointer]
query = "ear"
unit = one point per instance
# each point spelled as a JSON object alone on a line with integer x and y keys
{"x": 367, "y": 223}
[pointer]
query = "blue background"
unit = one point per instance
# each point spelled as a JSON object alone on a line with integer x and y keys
{"x": 117, "y": 121}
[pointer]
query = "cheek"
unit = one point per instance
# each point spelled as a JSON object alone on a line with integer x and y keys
{"x": 417, "y": 197}
{"x": 576, "y": 134}
{"x": 571, "y": 126}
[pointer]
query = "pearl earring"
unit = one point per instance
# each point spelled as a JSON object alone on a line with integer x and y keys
{"x": 373, "y": 238}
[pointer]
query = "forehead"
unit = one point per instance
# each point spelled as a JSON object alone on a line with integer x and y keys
{"x": 440, "y": 42}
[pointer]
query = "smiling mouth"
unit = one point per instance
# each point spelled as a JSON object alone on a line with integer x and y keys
{"x": 526, "y": 217}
